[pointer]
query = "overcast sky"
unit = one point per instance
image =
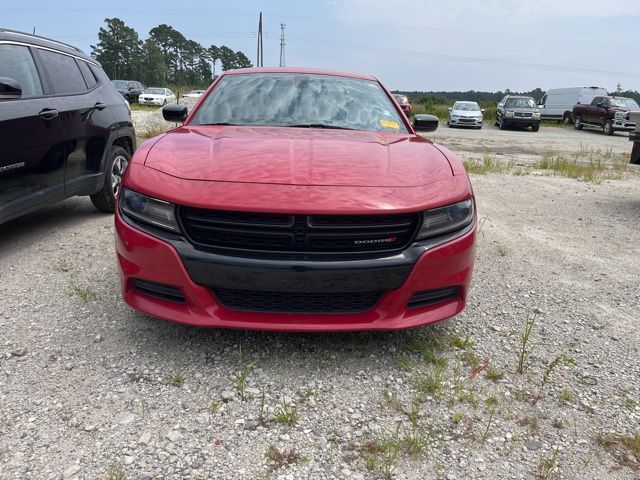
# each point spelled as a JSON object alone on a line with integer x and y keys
{"x": 409, "y": 45}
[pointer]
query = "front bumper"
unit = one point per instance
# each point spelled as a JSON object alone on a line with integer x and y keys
{"x": 465, "y": 122}
{"x": 624, "y": 125}
{"x": 173, "y": 261}
{"x": 158, "y": 101}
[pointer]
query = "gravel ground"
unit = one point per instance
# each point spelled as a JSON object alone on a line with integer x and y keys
{"x": 91, "y": 389}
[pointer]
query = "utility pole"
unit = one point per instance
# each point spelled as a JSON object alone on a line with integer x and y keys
{"x": 260, "y": 54}
{"x": 282, "y": 43}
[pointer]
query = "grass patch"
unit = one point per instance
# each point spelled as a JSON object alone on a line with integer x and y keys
{"x": 548, "y": 466}
{"x": 287, "y": 415}
{"x": 135, "y": 106}
{"x": 85, "y": 294}
{"x": 502, "y": 250}
{"x": 493, "y": 374}
{"x": 623, "y": 448}
{"x": 115, "y": 472}
{"x": 283, "y": 458}
{"x": 487, "y": 164}
{"x": 587, "y": 165}
{"x": 177, "y": 380}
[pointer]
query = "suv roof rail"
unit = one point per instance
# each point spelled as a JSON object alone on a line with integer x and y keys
{"x": 44, "y": 39}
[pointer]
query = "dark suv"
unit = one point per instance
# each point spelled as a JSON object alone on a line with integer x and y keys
{"x": 64, "y": 129}
{"x": 129, "y": 89}
{"x": 517, "y": 110}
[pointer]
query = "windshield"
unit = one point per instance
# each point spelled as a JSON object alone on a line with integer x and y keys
{"x": 629, "y": 103}
{"x": 520, "y": 103}
{"x": 155, "y": 91}
{"x": 119, "y": 83}
{"x": 466, "y": 106}
{"x": 401, "y": 98}
{"x": 302, "y": 100}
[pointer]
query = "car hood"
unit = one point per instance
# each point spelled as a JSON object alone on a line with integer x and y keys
{"x": 298, "y": 156}
{"x": 153, "y": 95}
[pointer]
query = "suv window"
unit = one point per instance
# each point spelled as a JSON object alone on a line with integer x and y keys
{"x": 596, "y": 101}
{"x": 63, "y": 72}
{"x": 89, "y": 77}
{"x": 17, "y": 63}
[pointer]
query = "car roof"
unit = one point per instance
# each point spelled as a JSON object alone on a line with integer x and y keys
{"x": 311, "y": 71}
{"x": 519, "y": 96}
{"x": 37, "y": 40}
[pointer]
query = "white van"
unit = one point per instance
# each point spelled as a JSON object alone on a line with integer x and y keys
{"x": 557, "y": 103}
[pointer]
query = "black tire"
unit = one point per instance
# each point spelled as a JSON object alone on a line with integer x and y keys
{"x": 535, "y": 128}
{"x": 566, "y": 118}
{"x": 502, "y": 124}
{"x": 607, "y": 128}
{"x": 105, "y": 199}
{"x": 577, "y": 122}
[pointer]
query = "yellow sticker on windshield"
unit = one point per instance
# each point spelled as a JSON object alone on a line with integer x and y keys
{"x": 390, "y": 124}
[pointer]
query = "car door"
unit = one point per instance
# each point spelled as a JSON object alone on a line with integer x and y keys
{"x": 32, "y": 149}
{"x": 591, "y": 111}
{"x": 86, "y": 118}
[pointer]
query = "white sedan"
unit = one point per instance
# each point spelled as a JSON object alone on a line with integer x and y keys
{"x": 156, "y": 96}
{"x": 194, "y": 94}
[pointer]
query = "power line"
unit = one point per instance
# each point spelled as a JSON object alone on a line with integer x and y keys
{"x": 450, "y": 58}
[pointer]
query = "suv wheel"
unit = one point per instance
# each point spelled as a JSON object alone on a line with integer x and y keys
{"x": 577, "y": 122}
{"x": 566, "y": 118}
{"x": 607, "y": 128}
{"x": 502, "y": 124}
{"x": 535, "y": 128}
{"x": 105, "y": 199}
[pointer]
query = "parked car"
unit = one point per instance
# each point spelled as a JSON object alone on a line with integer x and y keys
{"x": 608, "y": 113}
{"x": 129, "y": 89}
{"x": 156, "y": 96}
{"x": 517, "y": 110}
{"x": 194, "y": 94}
{"x": 277, "y": 208}
{"x": 558, "y": 103}
{"x": 465, "y": 114}
{"x": 634, "y": 136}
{"x": 404, "y": 103}
{"x": 64, "y": 129}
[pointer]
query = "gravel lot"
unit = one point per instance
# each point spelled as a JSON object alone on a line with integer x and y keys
{"x": 91, "y": 389}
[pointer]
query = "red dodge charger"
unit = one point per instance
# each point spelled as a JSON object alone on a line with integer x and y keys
{"x": 300, "y": 200}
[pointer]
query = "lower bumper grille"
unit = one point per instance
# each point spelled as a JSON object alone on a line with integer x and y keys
{"x": 431, "y": 297}
{"x": 278, "y": 302}
{"x": 162, "y": 291}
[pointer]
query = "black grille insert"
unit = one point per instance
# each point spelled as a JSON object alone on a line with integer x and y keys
{"x": 158, "y": 290}
{"x": 431, "y": 297}
{"x": 278, "y": 302}
{"x": 268, "y": 232}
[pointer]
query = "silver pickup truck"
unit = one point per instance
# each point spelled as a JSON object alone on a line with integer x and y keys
{"x": 635, "y": 137}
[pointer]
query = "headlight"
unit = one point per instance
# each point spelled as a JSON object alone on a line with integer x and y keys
{"x": 446, "y": 219}
{"x": 509, "y": 114}
{"x": 149, "y": 210}
{"x": 536, "y": 115}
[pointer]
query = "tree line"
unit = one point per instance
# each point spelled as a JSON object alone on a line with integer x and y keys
{"x": 439, "y": 98}
{"x": 165, "y": 57}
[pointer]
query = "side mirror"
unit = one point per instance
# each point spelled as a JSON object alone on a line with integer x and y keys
{"x": 482, "y": 110}
{"x": 174, "y": 112}
{"x": 425, "y": 123}
{"x": 9, "y": 89}
{"x": 450, "y": 109}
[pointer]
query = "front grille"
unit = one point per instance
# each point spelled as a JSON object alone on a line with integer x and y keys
{"x": 278, "y": 302}
{"x": 272, "y": 232}
{"x": 467, "y": 120}
{"x": 523, "y": 114}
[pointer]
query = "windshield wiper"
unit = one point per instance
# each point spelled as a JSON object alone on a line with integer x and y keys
{"x": 226, "y": 124}
{"x": 318, "y": 125}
